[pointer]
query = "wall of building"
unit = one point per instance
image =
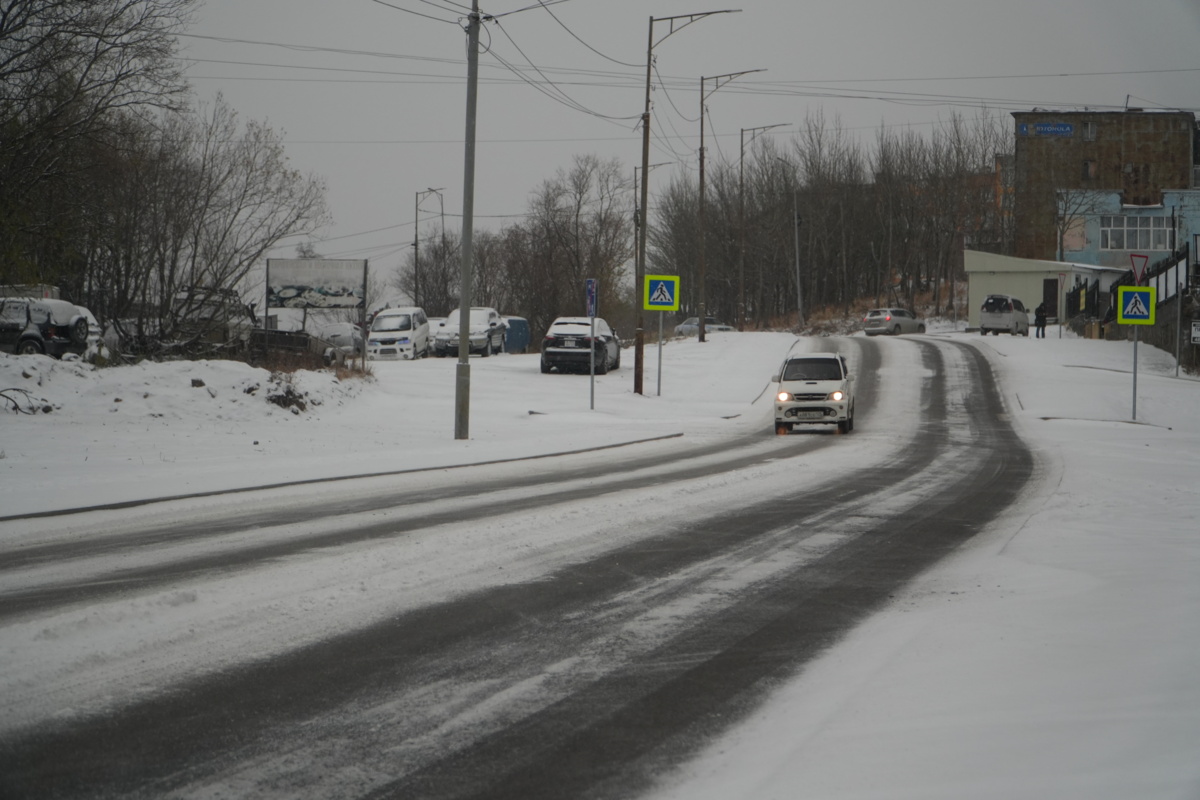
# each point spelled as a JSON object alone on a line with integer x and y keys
{"x": 1136, "y": 155}
{"x": 1179, "y": 211}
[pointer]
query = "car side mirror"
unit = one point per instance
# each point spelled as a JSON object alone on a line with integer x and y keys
{"x": 774, "y": 379}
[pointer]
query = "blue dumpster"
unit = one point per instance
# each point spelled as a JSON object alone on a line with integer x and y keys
{"x": 517, "y": 338}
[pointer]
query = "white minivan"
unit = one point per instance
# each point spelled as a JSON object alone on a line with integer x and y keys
{"x": 398, "y": 333}
{"x": 1001, "y": 313}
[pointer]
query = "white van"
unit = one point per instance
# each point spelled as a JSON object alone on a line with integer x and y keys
{"x": 1001, "y": 313}
{"x": 399, "y": 333}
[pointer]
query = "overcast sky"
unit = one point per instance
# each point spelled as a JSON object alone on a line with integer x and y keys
{"x": 371, "y": 95}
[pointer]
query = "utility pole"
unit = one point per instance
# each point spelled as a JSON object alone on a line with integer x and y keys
{"x": 637, "y": 226}
{"x": 417, "y": 239}
{"x": 462, "y": 382}
{"x": 719, "y": 80}
{"x": 741, "y": 320}
{"x": 675, "y": 23}
{"x": 796, "y": 240}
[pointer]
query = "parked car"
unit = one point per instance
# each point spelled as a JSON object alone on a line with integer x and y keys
{"x": 30, "y": 326}
{"x": 1003, "y": 313}
{"x": 569, "y": 346}
{"x": 892, "y": 322}
{"x": 340, "y": 340}
{"x": 212, "y": 315}
{"x": 814, "y": 389}
{"x": 399, "y": 333}
{"x": 691, "y": 326}
{"x": 486, "y": 333}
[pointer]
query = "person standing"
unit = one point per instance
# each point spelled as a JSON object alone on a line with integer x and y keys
{"x": 1039, "y": 320}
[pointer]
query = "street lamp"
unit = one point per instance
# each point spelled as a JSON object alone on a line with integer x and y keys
{"x": 417, "y": 238}
{"x": 719, "y": 80}
{"x": 677, "y": 23}
{"x": 742, "y": 217}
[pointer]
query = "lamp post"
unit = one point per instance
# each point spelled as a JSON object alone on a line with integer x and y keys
{"x": 417, "y": 238}
{"x": 675, "y": 23}
{"x": 719, "y": 81}
{"x": 754, "y": 132}
{"x": 462, "y": 374}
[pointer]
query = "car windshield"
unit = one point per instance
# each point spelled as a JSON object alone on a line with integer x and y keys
{"x": 812, "y": 369}
{"x": 392, "y": 322}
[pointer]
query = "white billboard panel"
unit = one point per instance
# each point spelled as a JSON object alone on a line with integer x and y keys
{"x": 316, "y": 283}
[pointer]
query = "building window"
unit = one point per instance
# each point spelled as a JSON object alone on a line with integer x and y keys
{"x": 1136, "y": 233}
{"x": 1089, "y": 131}
{"x": 1089, "y": 171}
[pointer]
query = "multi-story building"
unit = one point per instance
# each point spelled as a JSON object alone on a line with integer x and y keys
{"x": 1092, "y": 187}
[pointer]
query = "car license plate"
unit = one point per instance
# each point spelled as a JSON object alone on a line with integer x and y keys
{"x": 569, "y": 343}
{"x": 809, "y": 415}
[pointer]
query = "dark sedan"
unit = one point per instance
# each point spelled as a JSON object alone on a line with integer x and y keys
{"x": 570, "y": 346}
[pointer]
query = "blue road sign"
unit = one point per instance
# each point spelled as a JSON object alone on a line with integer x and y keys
{"x": 1135, "y": 305}
{"x": 593, "y": 289}
{"x": 662, "y": 293}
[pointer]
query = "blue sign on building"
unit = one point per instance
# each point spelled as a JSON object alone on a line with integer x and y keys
{"x": 1065, "y": 129}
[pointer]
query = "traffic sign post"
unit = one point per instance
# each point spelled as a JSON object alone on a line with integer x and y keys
{"x": 591, "y": 291}
{"x": 1135, "y": 306}
{"x": 660, "y": 293}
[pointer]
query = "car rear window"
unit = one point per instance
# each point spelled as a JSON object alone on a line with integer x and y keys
{"x": 996, "y": 304}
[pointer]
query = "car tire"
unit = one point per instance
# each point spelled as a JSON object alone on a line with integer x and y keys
{"x": 983, "y": 331}
{"x": 545, "y": 367}
{"x": 30, "y": 347}
{"x": 602, "y": 367}
{"x": 78, "y": 330}
{"x": 896, "y": 331}
{"x": 920, "y": 329}
{"x": 843, "y": 426}
{"x": 617, "y": 363}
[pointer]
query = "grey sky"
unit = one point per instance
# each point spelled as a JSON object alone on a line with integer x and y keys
{"x": 381, "y": 127}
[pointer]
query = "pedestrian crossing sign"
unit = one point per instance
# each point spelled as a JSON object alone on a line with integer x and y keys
{"x": 1135, "y": 305}
{"x": 661, "y": 293}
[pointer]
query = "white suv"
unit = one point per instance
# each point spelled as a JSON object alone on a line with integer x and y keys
{"x": 486, "y": 331}
{"x": 814, "y": 389}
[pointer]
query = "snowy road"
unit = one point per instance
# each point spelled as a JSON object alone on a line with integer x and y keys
{"x": 553, "y": 628}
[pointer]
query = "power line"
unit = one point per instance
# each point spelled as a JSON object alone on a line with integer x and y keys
{"x": 416, "y": 13}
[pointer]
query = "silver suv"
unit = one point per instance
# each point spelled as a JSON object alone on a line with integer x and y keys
{"x": 31, "y": 326}
{"x": 1003, "y": 313}
{"x": 814, "y": 389}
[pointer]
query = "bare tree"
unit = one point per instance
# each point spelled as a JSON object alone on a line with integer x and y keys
{"x": 66, "y": 65}
{"x": 1075, "y": 207}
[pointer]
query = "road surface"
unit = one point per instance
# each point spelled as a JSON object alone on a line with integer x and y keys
{"x": 563, "y": 628}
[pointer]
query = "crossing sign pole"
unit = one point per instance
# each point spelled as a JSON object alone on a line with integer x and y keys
{"x": 1135, "y": 306}
{"x": 661, "y": 293}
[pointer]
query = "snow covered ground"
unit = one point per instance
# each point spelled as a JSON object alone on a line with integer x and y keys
{"x": 1055, "y": 656}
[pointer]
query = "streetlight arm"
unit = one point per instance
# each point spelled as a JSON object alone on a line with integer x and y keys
{"x": 690, "y": 18}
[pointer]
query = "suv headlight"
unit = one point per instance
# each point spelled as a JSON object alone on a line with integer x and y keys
{"x": 837, "y": 395}
{"x": 783, "y": 397}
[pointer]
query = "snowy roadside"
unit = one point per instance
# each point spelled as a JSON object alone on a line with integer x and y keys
{"x": 1054, "y": 656}
{"x": 163, "y": 430}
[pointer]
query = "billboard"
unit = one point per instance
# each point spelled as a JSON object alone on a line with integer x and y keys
{"x": 316, "y": 283}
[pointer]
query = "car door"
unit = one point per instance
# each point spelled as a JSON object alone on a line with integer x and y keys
{"x": 14, "y": 317}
